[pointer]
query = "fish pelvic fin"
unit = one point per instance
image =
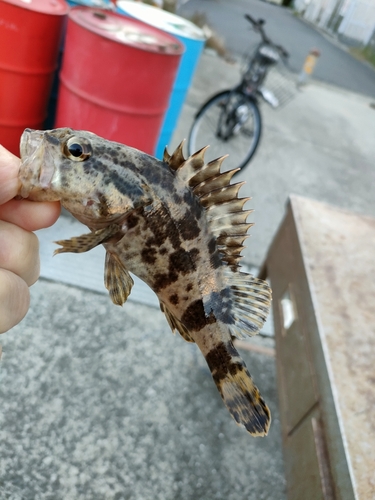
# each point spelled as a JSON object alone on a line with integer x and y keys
{"x": 237, "y": 389}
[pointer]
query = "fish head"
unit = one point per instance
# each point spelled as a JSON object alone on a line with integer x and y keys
{"x": 94, "y": 179}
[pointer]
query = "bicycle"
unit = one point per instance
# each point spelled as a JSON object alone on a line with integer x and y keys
{"x": 230, "y": 121}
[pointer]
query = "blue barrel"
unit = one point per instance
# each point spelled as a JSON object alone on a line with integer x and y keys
{"x": 193, "y": 39}
{"x": 98, "y": 4}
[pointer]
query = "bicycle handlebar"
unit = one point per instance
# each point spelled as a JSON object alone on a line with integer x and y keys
{"x": 258, "y": 26}
{"x": 251, "y": 19}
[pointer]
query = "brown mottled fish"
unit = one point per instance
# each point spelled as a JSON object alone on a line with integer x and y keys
{"x": 178, "y": 225}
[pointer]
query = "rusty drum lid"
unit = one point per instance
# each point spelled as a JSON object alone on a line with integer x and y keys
{"x": 166, "y": 21}
{"x": 51, "y": 7}
{"x": 126, "y": 30}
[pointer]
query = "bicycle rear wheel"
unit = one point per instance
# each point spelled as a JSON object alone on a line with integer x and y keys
{"x": 229, "y": 123}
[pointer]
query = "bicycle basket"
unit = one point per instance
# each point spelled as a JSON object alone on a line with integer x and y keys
{"x": 282, "y": 83}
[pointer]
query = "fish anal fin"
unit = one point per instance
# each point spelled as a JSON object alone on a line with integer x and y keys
{"x": 86, "y": 242}
{"x": 175, "y": 323}
{"x": 237, "y": 389}
{"x": 117, "y": 279}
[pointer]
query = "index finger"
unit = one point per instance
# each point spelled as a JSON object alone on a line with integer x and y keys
{"x": 9, "y": 182}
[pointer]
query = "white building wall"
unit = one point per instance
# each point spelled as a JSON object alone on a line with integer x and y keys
{"x": 329, "y": 11}
{"x": 300, "y": 5}
{"x": 358, "y": 16}
{"x": 359, "y": 20}
{"x": 313, "y": 10}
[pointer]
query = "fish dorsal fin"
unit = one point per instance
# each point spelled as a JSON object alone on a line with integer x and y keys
{"x": 252, "y": 300}
{"x": 227, "y": 220}
{"x": 224, "y": 209}
{"x": 176, "y": 159}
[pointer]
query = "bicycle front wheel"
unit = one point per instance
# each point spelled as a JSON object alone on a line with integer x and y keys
{"x": 230, "y": 124}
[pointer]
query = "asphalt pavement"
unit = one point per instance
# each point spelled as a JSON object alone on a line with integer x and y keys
{"x": 102, "y": 402}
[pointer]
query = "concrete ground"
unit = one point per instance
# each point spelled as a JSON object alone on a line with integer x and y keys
{"x": 102, "y": 402}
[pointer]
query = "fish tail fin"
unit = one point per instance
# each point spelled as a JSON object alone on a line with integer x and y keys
{"x": 236, "y": 387}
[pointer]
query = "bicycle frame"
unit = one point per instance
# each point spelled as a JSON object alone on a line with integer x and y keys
{"x": 230, "y": 119}
{"x": 266, "y": 55}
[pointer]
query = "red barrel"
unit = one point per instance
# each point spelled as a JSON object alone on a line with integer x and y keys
{"x": 30, "y": 35}
{"x": 116, "y": 78}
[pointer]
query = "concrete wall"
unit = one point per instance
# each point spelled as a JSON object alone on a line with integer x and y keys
{"x": 351, "y": 19}
{"x": 359, "y": 20}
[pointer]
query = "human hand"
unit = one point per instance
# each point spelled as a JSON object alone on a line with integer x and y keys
{"x": 19, "y": 247}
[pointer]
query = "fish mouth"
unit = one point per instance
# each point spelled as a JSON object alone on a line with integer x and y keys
{"x": 37, "y": 166}
{"x": 25, "y": 143}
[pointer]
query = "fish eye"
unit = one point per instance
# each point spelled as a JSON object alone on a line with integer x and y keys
{"x": 77, "y": 150}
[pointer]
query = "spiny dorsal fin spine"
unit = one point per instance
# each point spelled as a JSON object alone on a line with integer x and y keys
{"x": 229, "y": 241}
{"x": 166, "y": 155}
{"x": 213, "y": 183}
{"x": 207, "y": 171}
{"x": 220, "y": 195}
{"x": 233, "y": 251}
{"x": 197, "y": 159}
{"x": 177, "y": 159}
{"x": 226, "y": 207}
{"x": 232, "y": 261}
{"x": 232, "y": 218}
{"x": 240, "y": 229}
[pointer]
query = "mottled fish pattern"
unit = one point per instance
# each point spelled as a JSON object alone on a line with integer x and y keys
{"x": 177, "y": 224}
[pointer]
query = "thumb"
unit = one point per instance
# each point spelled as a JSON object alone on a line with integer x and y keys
{"x": 9, "y": 182}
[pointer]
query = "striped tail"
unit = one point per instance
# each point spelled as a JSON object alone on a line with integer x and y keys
{"x": 240, "y": 395}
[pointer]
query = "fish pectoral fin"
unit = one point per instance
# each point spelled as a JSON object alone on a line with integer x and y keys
{"x": 117, "y": 279}
{"x": 175, "y": 323}
{"x": 252, "y": 300}
{"x": 86, "y": 242}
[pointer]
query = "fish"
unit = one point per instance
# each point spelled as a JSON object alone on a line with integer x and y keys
{"x": 179, "y": 225}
